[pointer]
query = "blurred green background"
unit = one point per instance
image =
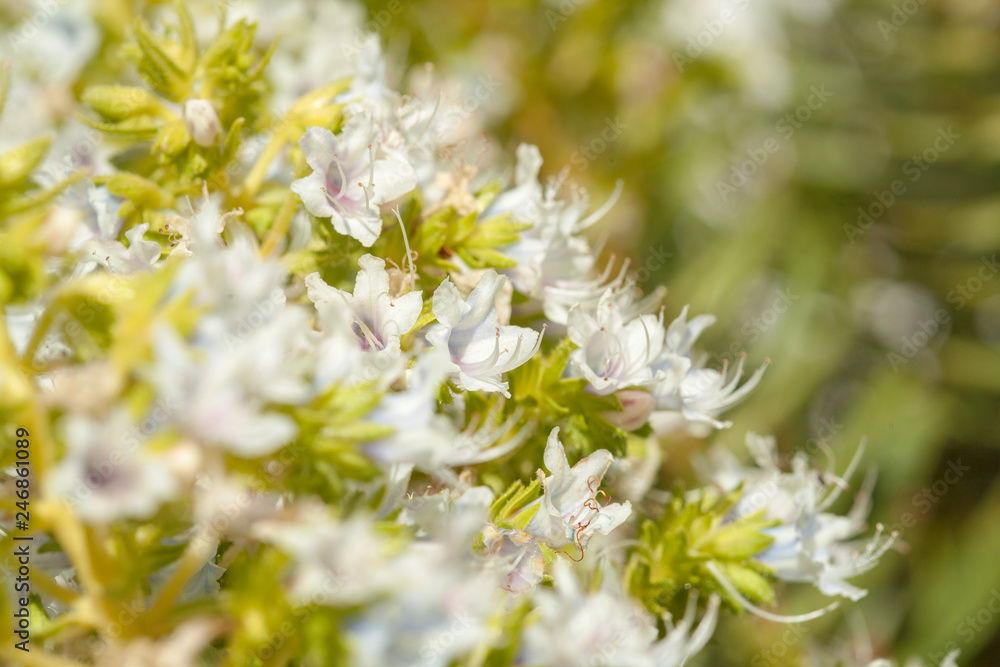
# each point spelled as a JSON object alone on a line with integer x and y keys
{"x": 885, "y": 326}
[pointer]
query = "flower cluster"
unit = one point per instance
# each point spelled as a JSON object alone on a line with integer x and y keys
{"x": 311, "y": 382}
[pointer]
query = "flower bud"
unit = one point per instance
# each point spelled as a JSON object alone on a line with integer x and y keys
{"x": 637, "y": 405}
{"x": 202, "y": 122}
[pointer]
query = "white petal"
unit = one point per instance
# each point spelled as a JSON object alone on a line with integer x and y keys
{"x": 319, "y": 147}
{"x": 310, "y": 191}
{"x": 405, "y": 310}
{"x": 393, "y": 179}
{"x": 147, "y": 252}
{"x": 354, "y": 139}
{"x": 580, "y": 326}
{"x": 610, "y": 517}
{"x": 364, "y": 227}
{"x": 482, "y": 383}
{"x": 555, "y": 456}
{"x": 447, "y": 304}
{"x": 529, "y": 164}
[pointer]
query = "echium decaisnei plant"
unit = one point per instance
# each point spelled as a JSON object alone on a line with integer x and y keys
{"x": 308, "y": 386}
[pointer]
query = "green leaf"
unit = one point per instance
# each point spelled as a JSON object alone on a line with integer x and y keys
{"x": 117, "y": 103}
{"x": 194, "y": 166}
{"x": 358, "y": 431}
{"x": 141, "y": 191}
{"x": 749, "y": 583}
{"x": 16, "y": 165}
{"x": 497, "y": 231}
{"x": 189, "y": 41}
{"x": 483, "y": 258}
{"x": 88, "y": 309}
{"x": 173, "y": 138}
{"x": 232, "y": 143}
{"x": 136, "y": 128}
{"x": 513, "y": 499}
{"x": 740, "y": 540}
{"x": 573, "y": 393}
{"x": 159, "y": 69}
{"x": 586, "y": 433}
{"x": 554, "y": 364}
{"x": 521, "y": 520}
{"x": 461, "y": 228}
{"x": 431, "y": 233}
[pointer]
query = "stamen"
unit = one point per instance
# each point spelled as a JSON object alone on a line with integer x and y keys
{"x": 340, "y": 170}
{"x": 368, "y": 204}
{"x": 333, "y": 200}
{"x": 370, "y": 190}
{"x": 579, "y": 545}
{"x": 851, "y": 469}
{"x": 603, "y": 210}
{"x": 430, "y": 120}
{"x": 757, "y": 611}
{"x": 410, "y": 255}
{"x": 369, "y": 335}
{"x": 590, "y": 484}
{"x": 488, "y": 362}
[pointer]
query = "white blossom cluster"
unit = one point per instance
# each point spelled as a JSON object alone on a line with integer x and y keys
{"x": 243, "y": 350}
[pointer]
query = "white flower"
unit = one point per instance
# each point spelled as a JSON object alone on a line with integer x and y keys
{"x": 200, "y": 230}
{"x": 569, "y": 511}
{"x": 523, "y": 199}
{"x": 440, "y": 610}
{"x": 368, "y": 87}
{"x": 554, "y": 265}
{"x": 811, "y": 545}
{"x": 202, "y": 122}
{"x": 427, "y": 439}
{"x": 480, "y": 349}
{"x": 522, "y": 554}
{"x": 103, "y": 476}
{"x": 614, "y": 354}
{"x": 568, "y": 279}
{"x": 224, "y": 396}
{"x": 102, "y": 221}
{"x": 684, "y": 386}
{"x": 347, "y": 183}
{"x": 440, "y": 599}
{"x": 232, "y": 283}
{"x": 140, "y": 255}
{"x": 339, "y": 358}
{"x": 416, "y": 132}
{"x": 452, "y": 515}
{"x": 336, "y": 562}
{"x": 685, "y": 640}
{"x": 379, "y": 318}
{"x": 576, "y": 628}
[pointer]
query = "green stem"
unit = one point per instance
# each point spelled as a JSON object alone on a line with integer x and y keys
{"x": 281, "y": 224}
{"x": 259, "y": 170}
{"x": 28, "y": 359}
{"x": 199, "y": 550}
